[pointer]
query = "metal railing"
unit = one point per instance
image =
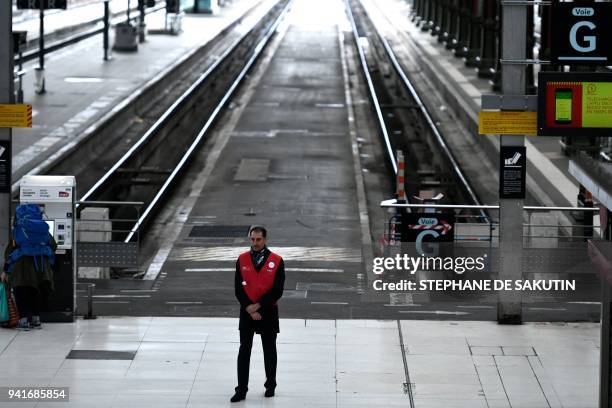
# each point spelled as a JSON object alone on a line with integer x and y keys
{"x": 551, "y": 253}
{"x": 78, "y": 37}
{"x": 538, "y": 230}
{"x": 105, "y": 245}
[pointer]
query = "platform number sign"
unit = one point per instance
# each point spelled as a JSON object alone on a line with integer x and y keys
{"x": 426, "y": 230}
{"x": 581, "y": 33}
{"x": 47, "y": 4}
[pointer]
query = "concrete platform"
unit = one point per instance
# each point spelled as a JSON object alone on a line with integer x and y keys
{"x": 191, "y": 362}
{"x": 78, "y": 95}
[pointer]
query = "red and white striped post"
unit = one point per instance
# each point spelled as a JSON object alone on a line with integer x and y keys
{"x": 400, "y": 180}
{"x": 401, "y": 195}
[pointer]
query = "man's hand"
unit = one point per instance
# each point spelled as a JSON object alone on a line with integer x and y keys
{"x": 253, "y": 308}
{"x": 255, "y": 316}
{"x": 3, "y": 277}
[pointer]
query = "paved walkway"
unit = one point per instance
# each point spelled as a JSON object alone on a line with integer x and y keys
{"x": 190, "y": 362}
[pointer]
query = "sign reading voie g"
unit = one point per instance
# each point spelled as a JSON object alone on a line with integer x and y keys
{"x": 427, "y": 230}
{"x": 581, "y": 33}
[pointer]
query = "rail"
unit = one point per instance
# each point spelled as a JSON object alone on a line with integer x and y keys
{"x": 161, "y": 123}
{"x": 373, "y": 96}
{"x": 409, "y": 87}
{"x": 217, "y": 110}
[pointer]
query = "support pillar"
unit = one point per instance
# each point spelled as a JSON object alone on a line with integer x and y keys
{"x": 513, "y": 37}
{"x": 6, "y": 96}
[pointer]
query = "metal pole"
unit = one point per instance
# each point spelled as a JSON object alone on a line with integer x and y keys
{"x": 438, "y": 16}
{"x": 474, "y": 43}
{"x": 428, "y": 15}
{"x": 141, "y": 24}
{"x": 496, "y": 71}
{"x": 41, "y": 51}
{"x": 20, "y": 89}
{"x": 41, "y": 38}
{"x": 604, "y": 345}
{"x": 513, "y": 37}
{"x": 489, "y": 39}
{"x": 6, "y": 96}
{"x": 450, "y": 35}
{"x": 106, "y": 30}
{"x": 90, "y": 292}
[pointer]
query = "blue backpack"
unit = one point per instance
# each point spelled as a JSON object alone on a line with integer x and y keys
{"x": 31, "y": 237}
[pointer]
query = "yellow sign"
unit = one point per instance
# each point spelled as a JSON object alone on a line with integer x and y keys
{"x": 13, "y": 115}
{"x": 597, "y": 104}
{"x": 507, "y": 123}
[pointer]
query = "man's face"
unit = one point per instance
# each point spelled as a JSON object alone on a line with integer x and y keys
{"x": 257, "y": 241}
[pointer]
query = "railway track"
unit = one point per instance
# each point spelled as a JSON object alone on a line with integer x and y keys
{"x": 138, "y": 151}
{"x": 403, "y": 120}
{"x": 148, "y": 171}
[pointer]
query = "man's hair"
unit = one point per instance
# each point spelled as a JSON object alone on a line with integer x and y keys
{"x": 259, "y": 228}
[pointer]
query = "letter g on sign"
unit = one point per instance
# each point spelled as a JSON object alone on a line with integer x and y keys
{"x": 591, "y": 40}
{"x": 419, "y": 243}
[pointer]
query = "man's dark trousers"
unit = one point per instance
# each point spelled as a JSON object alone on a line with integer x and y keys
{"x": 268, "y": 341}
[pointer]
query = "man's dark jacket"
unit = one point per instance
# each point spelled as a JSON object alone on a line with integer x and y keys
{"x": 268, "y": 311}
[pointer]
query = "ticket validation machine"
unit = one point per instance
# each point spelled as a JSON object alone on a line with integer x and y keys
{"x": 56, "y": 197}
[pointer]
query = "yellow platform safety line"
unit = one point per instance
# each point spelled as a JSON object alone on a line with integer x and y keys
{"x": 507, "y": 123}
{"x": 15, "y": 116}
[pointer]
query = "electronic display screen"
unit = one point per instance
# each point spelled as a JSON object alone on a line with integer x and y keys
{"x": 563, "y": 105}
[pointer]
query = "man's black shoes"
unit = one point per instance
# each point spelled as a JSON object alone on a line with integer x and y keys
{"x": 238, "y": 396}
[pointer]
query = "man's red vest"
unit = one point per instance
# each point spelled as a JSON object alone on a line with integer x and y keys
{"x": 256, "y": 284}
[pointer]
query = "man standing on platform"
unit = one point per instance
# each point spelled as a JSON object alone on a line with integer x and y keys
{"x": 259, "y": 281}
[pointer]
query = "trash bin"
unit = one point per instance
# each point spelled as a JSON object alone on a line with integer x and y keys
{"x": 126, "y": 37}
{"x": 175, "y": 22}
{"x": 39, "y": 80}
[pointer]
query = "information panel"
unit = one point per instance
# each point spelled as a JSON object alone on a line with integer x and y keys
{"x": 47, "y": 4}
{"x": 15, "y": 115}
{"x": 507, "y": 123}
{"x": 512, "y": 170}
{"x": 5, "y": 166}
{"x": 575, "y": 104}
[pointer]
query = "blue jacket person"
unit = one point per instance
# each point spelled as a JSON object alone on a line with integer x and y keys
{"x": 259, "y": 281}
